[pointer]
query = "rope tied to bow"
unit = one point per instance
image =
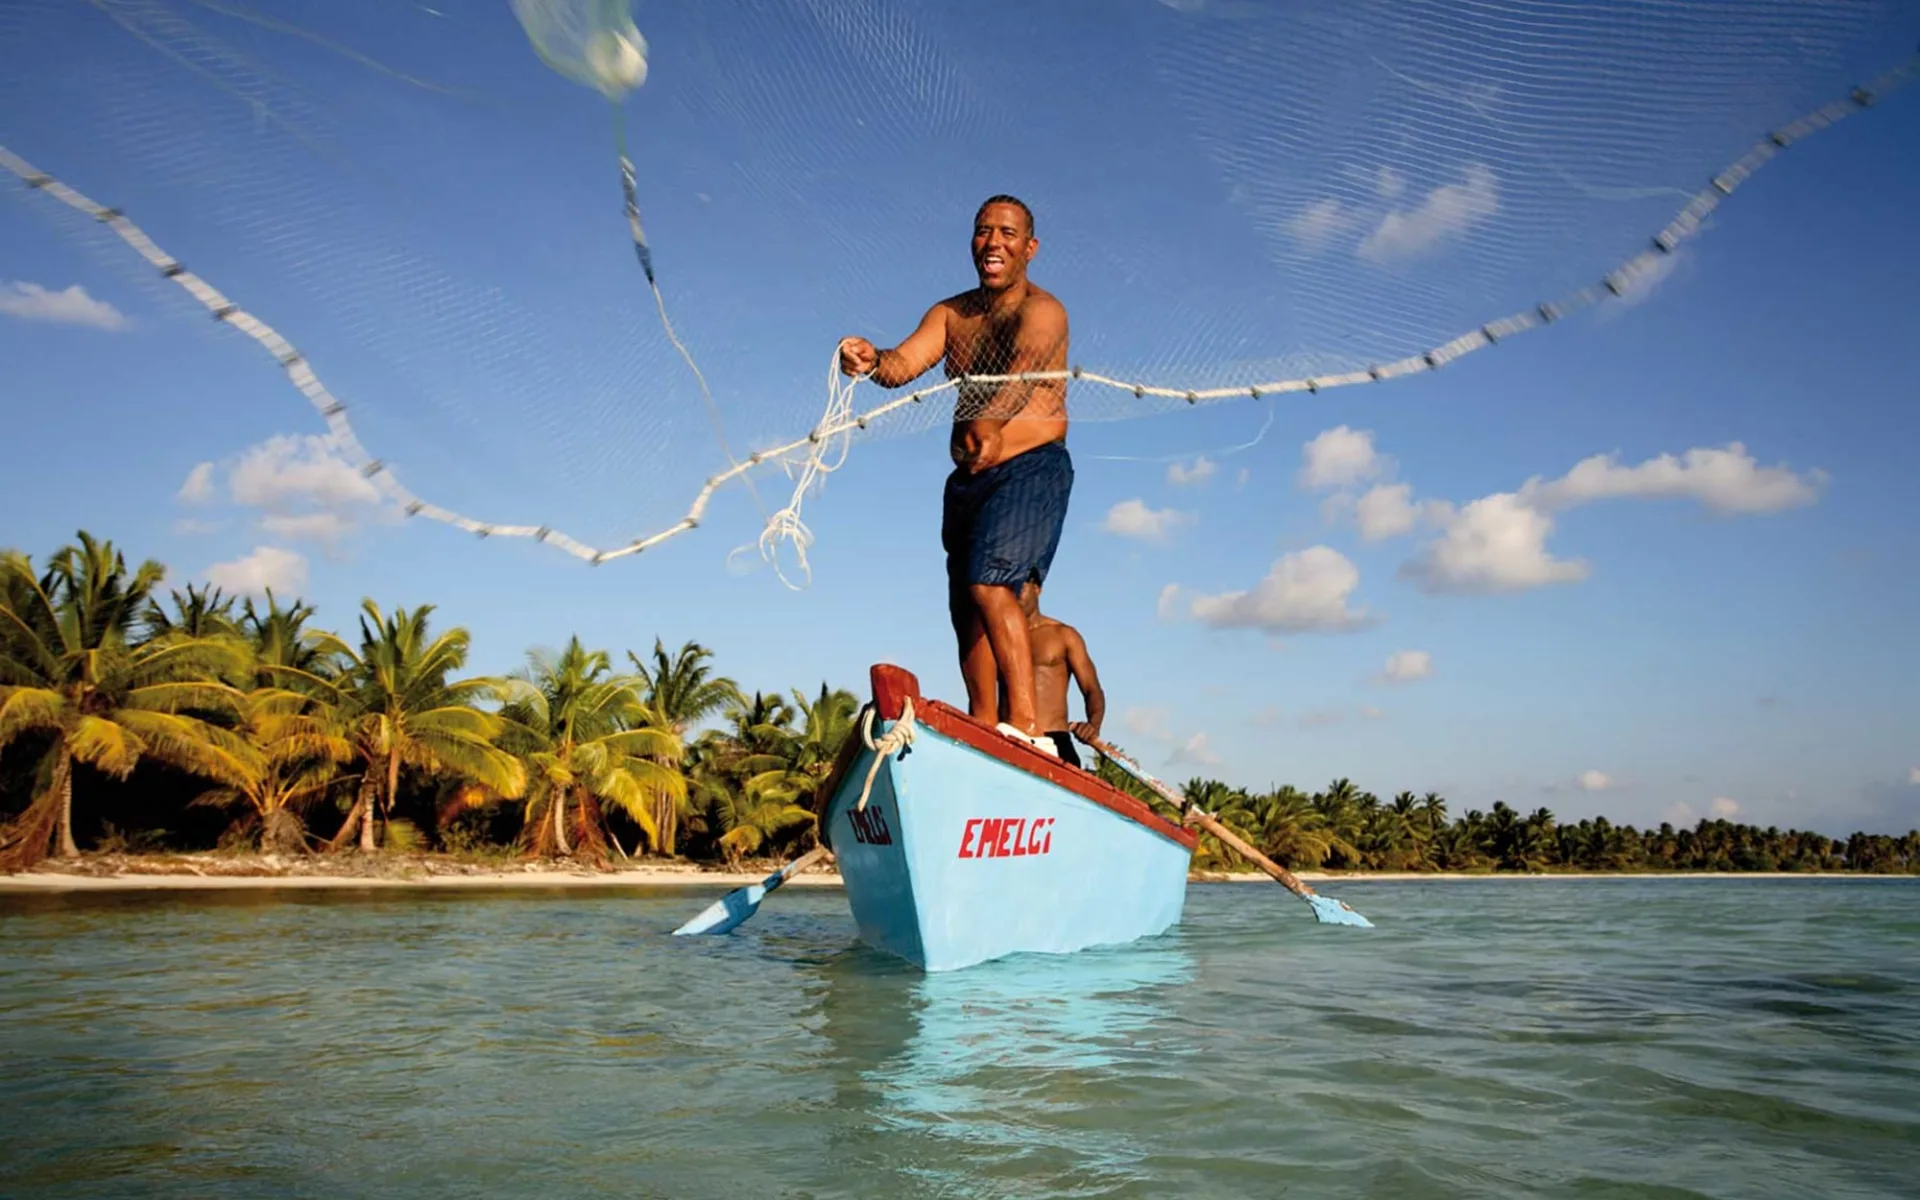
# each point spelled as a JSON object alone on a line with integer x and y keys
{"x": 893, "y": 741}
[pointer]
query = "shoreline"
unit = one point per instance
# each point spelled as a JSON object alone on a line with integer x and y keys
{"x": 216, "y": 872}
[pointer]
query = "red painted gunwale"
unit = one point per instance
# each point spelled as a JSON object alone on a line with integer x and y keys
{"x": 894, "y": 686}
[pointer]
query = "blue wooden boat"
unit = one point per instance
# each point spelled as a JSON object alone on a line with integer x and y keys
{"x": 970, "y": 846}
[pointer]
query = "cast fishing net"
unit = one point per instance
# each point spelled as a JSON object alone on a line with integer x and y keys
{"x": 415, "y": 207}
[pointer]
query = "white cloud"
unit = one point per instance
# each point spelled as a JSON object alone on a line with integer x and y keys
{"x": 1495, "y": 544}
{"x": 1595, "y": 781}
{"x": 298, "y": 486}
{"x": 1389, "y": 510}
{"x": 1726, "y": 480}
{"x": 1133, "y": 519}
{"x": 1203, "y": 469}
{"x": 1405, "y": 666}
{"x": 1196, "y": 751}
{"x": 1270, "y": 715}
{"x": 71, "y": 306}
{"x": 1498, "y": 543}
{"x": 189, "y": 526}
{"x": 1167, "y": 607}
{"x": 1389, "y": 183}
{"x": 1319, "y": 223}
{"x": 1913, "y": 776}
{"x": 1386, "y": 510}
{"x": 1369, "y": 713}
{"x": 286, "y": 470}
{"x": 1447, "y": 211}
{"x": 1724, "y": 808}
{"x": 267, "y": 567}
{"x": 1322, "y": 719}
{"x": 1341, "y": 456}
{"x": 327, "y": 527}
{"x": 198, "y": 488}
{"x": 1681, "y": 814}
{"x": 1240, "y": 480}
{"x": 1305, "y": 591}
{"x": 1149, "y": 722}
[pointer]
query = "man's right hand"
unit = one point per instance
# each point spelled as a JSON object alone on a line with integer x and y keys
{"x": 857, "y": 356}
{"x": 978, "y": 445}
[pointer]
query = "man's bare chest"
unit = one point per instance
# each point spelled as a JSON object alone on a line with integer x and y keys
{"x": 981, "y": 346}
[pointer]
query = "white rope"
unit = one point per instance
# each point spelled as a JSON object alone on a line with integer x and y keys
{"x": 786, "y": 525}
{"x": 892, "y": 742}
{"x": 839, "y": 421}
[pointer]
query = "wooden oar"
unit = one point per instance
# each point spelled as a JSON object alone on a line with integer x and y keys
{"x": 1328, "y": 910}
{"x": 730, "y": 910}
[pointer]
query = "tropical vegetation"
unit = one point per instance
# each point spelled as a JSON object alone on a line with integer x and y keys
{"x": 197, "y": 719}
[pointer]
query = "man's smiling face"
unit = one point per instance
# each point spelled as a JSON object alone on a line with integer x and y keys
{"x": 1003, "y": 244}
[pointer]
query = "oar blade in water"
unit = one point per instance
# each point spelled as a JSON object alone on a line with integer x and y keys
{"x": 1329, "y": 911}
{"x": 731, "y": 910}
{"x": 728, "y": 912}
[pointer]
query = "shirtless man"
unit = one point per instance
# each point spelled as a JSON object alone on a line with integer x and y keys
{"x": 1060, "y": 654}
{"x": 1006, "y": 499}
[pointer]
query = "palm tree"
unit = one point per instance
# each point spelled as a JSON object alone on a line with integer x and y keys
{"x": 588, "y": 742}
{"x": 400, "y": 707}
{"x": 682, "y": 688}
{"x": 197, "y": 612}
{"x": 759, "y": 811}
{"x": 1433, "y": 814}
{"x": 71, "y": 671}
{"x": 1342, "y": 810}
{"x": 1230, "y": 804}
{"x": 826, "y": 722}
{"x": 299, "y": 744}
{"x": 754, "y": 776}
{"x": 1291, "y": 831}
{"x": 1387, "y": 838}
{"x": 285, "y": 651}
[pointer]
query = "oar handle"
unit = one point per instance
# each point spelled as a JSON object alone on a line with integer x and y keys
{"x": 796, "y": 866}
{"x": 1193, "y": 813}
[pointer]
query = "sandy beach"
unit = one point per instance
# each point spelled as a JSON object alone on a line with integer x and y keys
{"x": 215, "y": 872}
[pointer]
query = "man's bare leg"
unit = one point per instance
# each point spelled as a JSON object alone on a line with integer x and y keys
{"x": 1005, "y": 624}
{"x": 976, "y": 658}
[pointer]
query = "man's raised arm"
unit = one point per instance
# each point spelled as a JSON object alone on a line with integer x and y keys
{"x": 904, "y": 363}
{"x": 1092, "y": 695}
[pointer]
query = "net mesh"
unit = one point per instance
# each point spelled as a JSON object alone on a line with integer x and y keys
{"x": 1229, "y": 194}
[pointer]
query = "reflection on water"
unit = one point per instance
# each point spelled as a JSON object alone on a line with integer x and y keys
{"x": 1061, "y": 1018}
{"x": 1016, "y": 1065}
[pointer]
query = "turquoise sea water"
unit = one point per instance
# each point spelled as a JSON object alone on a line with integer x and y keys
{"x": 1590, "y": 1038}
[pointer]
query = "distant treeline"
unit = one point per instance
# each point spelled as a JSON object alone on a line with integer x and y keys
{"x": 1343, "y": 828}
{"x": 133, "y": 721}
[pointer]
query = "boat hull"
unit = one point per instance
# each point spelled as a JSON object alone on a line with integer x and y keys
{"x": 972, "y": 847}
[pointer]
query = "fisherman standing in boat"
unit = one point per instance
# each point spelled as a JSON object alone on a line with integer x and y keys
{"x": 1006, "y": 499}
{"x": 1059, "y": 656}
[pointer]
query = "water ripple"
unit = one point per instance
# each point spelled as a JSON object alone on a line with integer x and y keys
{"x": 1723, "y": 1038}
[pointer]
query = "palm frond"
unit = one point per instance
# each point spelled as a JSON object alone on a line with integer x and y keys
{"x": 27, "y": 709}
{"x": 106, "y": 745}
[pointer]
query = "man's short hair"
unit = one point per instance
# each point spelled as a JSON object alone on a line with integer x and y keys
{"x": 1016, "y": 201}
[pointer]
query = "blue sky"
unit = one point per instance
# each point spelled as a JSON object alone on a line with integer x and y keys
{"x": 1724, "y": 630}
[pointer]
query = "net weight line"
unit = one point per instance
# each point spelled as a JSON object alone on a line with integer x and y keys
{"x": 840, "y": 421}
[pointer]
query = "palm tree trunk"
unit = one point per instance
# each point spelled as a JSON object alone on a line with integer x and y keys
{"x": 362, "y": 815}
{"x": 663, "y": 820}
{"x": 393, "y": 785}
{"x": 560, "y": 821}
{"x": 63, "y": 780}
